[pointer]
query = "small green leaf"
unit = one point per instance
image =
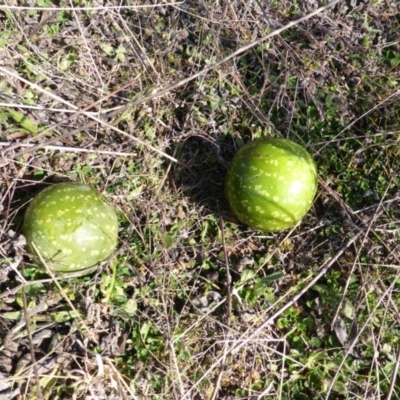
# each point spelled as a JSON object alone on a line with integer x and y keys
{"x": 275, "y": 276}
{"x": 130, "y": 307}
{"x": 109, "y": 50}
{"x": 144, "y": 330}
{"x": 120, "y": 53}
{"x": 34, "y": 289}
{"x": 14, "y": 315}
{"x": 23, "y": 121}
{"x": 247, "y": 274}
{"x": 64, "y": 316}
{"x": 149, "y": 131}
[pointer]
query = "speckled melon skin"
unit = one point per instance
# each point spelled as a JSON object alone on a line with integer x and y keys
{"x": 271, "y": 184}
{"x": 72, "y": 227}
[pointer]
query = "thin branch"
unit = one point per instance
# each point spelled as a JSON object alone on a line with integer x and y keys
{"x": 98, "y": 8}
{"x": 31, "y": 345}
{"x": 217, "y": 385}
{"x": 164, "y": 90}
{"x": 74, "y": 149}
{"x": 234, "y": 349}
{"x": 64, "y": 295}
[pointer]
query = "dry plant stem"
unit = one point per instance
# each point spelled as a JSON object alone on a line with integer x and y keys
{"x": 54, "y": 279}
{"x": 90, "y": 55}
{"x": 203, "y": 317}
{"x": 27, "y": 315}
{"x": 98, "y": 8}
{"x": 95, "y": 120}
{"x": 217, "y": 385}
{"x": 241, "y": 343}
{"x": 87, "y": 126}
{"x": 31, "y": 345}
{"x": 227, "y": 271}
{"x": 122, "y": 381}
{"x": 369, "y": 136}
{"x": 266, "y": 392}
{"x": 76, "y": 113}
{"x": 397, "y": 92}
{"x": 355, "y": 340}
{"x": 42, "y": 24}
{"x": 49, "y": 109}
{"x": 229, "y": 313}
{"x": 74, "y": 149}
{"x": 323, "y": 270}
{"x": 26, "y": 283}
{"x": 368, "y": 230}
{"x": 394, "y": 376}
{"x": 166, "y": 175}
{"x": 345, "y": 208}
{"x": 168, "y": 88}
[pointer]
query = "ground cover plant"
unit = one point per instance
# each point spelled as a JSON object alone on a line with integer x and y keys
{"x": 135, "y": 101}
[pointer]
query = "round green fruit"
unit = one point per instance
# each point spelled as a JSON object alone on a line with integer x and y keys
{"x": 71, "y": 227}
{"x": 271, "y": 184}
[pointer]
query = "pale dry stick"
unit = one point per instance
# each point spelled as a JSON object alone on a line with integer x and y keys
{"x": 393, "y": 199}
{"x": 354, "y": 341}
{"x": 184, "y": 333}
{"x": 266, "y": 392}
{"x": 217, "y": 385}
{"x": 141, "y": 53}
{"x": 249, "y": 101}
{"x": 13, "y": 291}
{"x": 380, "y": 134}
{"x": 227, "y": 271}
{"x": 98, "y": 8}
{"x": 397, "y": 92}
{"x": 283, "y": 369}
{"x": 87, "y": 126}
{"x": 31, "y": 346}
{"x": 120, "y": 378}
{"x": 222, "y": 367}
{"x": 272, "y": 350}
{"x": 376, "y": 343}
{"x": 357, "y": 256}
{"x": 168, "y": 88}
{"x": 392, "y": 266}
{"x": 394, "y": 376}
{"x": 62, "y": 292}
{"x": 76, "y": 113}
{"x": 39, "y": 26}
{"x": 59, "y": 110}
{"x": 31, "y": 312}
{"x": 197, "y": 16}
{"x": 323, "y": 270}
{"x": 176, "y": 368}
{"x": 74, "y": 149}
{"x": 39, "y": 89}
{"x": 79, "y": 25}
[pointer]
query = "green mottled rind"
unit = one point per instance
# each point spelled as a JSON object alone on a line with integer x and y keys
{"x": 72, "y": 227}
{"x": 271, "y": 184}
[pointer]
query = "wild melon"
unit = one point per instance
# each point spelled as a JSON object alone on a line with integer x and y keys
{"x": 72, "y": 227}
{"x": 271, "y": 184}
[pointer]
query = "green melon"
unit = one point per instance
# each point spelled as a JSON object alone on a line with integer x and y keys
{"x": 72, "y": 227}
{"x": 271, "y": 184}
